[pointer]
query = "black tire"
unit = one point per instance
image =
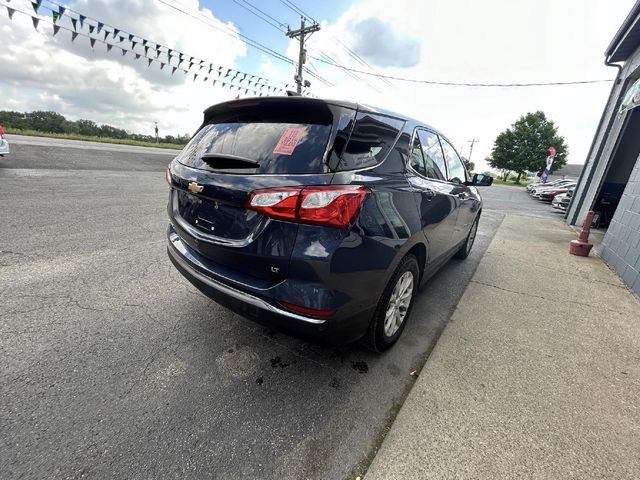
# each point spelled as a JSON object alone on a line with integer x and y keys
{"x": 376, "y": 338}
{"x": 465, "y": 249}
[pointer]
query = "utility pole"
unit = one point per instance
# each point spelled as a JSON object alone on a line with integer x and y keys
{"x": 157, "y": 139}
{"x": 472, "y": 142}
{"x": 302, "y": 34}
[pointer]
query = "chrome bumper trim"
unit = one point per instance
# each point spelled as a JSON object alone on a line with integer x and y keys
{"x": 175, "y": 247}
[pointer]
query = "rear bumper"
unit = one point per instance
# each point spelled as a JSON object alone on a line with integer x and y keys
{"x": 336, "y": 330}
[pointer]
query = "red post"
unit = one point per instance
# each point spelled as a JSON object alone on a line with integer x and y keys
{"x": 581, "y": 246}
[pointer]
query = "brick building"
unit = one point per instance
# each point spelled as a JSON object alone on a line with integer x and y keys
{"x": 610, "y": 180}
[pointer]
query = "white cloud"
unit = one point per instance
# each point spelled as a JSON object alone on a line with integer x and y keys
{"x": 494, "y": 41}
{"x": 40, "y": 71}
{"x": 463, "y": 40}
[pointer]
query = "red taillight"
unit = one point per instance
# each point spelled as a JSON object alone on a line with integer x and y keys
{"x": 307, "y": 311}
{"x": 335, "y": 206}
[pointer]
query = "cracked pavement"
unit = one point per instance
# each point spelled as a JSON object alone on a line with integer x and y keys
{"x": 115, "y": 366}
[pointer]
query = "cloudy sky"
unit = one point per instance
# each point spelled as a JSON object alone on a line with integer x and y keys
{"x": 493, "y": 41}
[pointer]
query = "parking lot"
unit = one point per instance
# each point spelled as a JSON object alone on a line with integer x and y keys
{"x": 114, "y": 365}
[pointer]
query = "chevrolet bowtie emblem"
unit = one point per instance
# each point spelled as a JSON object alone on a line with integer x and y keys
{"x": 195, "y": 188}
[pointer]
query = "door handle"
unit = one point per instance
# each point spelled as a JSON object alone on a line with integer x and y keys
{"x": 429, "y": 193}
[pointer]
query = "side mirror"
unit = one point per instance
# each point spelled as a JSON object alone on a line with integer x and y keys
{"x": 480, "y": 180}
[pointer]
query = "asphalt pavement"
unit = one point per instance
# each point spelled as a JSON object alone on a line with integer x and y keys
{"x": 115, "y": 366}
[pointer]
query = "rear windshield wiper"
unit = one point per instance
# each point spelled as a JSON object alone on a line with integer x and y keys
{"x": 224, "y": 160}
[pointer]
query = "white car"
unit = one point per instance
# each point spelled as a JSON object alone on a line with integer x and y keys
{"x": 4, "y": 146}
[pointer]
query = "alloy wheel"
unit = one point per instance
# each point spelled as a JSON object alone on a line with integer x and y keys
{"x": 398, "y": 304}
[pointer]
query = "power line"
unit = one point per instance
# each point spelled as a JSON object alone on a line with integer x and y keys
{"x": 261, "y": 17}
{"x": 109, "y": 30}
{"x": 250, "y": 41}
{"x": 264, "y": 13}
{"x": 462, "y": 84}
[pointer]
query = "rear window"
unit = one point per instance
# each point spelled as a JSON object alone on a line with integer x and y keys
{"x": 293, "y": 148}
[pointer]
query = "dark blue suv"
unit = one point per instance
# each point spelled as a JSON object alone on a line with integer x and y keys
{"x": 318, "y": 217}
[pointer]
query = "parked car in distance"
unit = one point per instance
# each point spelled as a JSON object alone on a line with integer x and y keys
{"x": 535, "y": 191}
{"x": 548, "y": 194}
{"x": 530, "y": 186}
{"x": 318, "y": 217}
{"x": 4, "y": 143}
{"x": 562, "y": 200}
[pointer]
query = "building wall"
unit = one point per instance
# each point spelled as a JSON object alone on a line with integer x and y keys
{"x": 605, "y": 141}
{"x": 621, "y": 244}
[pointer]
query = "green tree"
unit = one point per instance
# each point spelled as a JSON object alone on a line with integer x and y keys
{"x": 469, "y": 165}
{"x": 523, "y": 147}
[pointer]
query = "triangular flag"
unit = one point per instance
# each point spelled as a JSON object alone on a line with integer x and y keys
{"x": 55, "y": 15}
{"x": 61, "y": 10}
{"x": 74, "y": 35}
{"x": 109, "y": 47}
{"x": 131, "y": 37}
{"x": 92, "y": 41}
{"x": 91, "y": 28}
{"x": 124, "y": 52}
{"x": 35, "y": 6}
{"x": 210, "y": 69}
{"x": 190, "y": 65}
{"x": 219, "y": 73}
{"x": 146, "y": 49}
{"x": 115, "y": 32}
{"x": 195, "y": 75}
{"x": 56, "y": 29}
{"x": 150, "y": 62}
{"x": 133, "y": 45}
{"x": 74, "y": 22}
{"x": 121, "y": 38}
{"x": 161, "y": 65}
{"x": 205, "y": 79}
{"x": 106, "y": 34}
{"x": 144, "y": 42}
{"x": 174, "y": 70}
{"x": 137, "y": 56}
{"x": 100, "y": 25}
{"x": 214, "y": 82}
{"x": 228, "y": 71}
{"x": 35, "y": 21}
{"x": 11, "y": 11}
{"x": 81, "y": 18}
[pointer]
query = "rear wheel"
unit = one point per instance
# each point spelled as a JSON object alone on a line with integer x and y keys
{"x": 394, "y": 306}
{"x": 465, "y": 249}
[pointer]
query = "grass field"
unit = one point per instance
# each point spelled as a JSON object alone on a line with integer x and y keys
{"x": 510, "y": 183}
{"x": 34, "y": 133}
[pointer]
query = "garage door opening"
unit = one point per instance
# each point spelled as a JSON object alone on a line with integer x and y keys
{"x": 619, "y": 171}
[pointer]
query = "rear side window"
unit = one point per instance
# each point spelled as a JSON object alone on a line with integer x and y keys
{"x": 372, "y": 138}
{"x": 457, "y": 172}
{"x": 434, "y": 160}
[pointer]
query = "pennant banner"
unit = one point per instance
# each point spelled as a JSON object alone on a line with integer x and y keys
{"x": 234, "y": 77}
